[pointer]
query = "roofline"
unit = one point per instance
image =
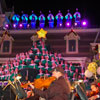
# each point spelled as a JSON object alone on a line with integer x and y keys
{"x": 55, "y": 30}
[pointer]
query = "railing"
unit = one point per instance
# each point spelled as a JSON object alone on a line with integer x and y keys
{"x": 3, "y": 60}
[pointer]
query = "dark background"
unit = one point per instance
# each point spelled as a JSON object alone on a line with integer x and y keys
{"x": 89, "y": 10}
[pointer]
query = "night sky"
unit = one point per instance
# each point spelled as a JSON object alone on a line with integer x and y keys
{"x": 89, "y": 10}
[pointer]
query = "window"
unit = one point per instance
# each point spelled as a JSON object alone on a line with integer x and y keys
{"x": 71, "y": 42}
{"x": 6, "y": 44}
{"x": 72, "y": 45}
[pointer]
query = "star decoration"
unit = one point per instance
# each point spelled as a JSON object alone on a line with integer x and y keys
{"x": 42, "y": 33}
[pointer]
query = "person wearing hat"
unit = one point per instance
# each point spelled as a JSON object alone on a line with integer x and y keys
{"x": 59, "y": 88}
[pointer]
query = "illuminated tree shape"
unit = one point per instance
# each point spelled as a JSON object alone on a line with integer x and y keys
{"x": 24, "y": 17}
{"x": 41, "y": 33}
{"x": 16, "y": 17}
{"x": 33, "y": 17}
{"x": 41, "y": 20}
{"x": 59, "y": 16}
{"x": 50, "y": 16}
{"x": 41, "y": 17}
{"x": 68, "y": 15}
{"x": 77, "y": 14}
{"x": 68, "y": 18}
{"x": 59, "y": 19}
{"x": 24, "y": 20}
{"x": 77, "y": 17}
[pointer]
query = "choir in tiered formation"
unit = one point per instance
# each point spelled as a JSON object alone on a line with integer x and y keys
{"x": 42, "y": 60}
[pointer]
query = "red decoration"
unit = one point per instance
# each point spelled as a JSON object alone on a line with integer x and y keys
{"x": 99, "y": 84}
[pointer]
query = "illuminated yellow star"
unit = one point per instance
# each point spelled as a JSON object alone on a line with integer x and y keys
{"x": 41, "y": 33}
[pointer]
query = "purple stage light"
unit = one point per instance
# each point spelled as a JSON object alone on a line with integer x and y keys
{"x": 75, "y": 24}
{"x": 28, "y": 25}
{"x": 20, "y": 25}
{"x": 67, "y": 24}
{"x": 60, "y": 24}
{"x": 14, "y": 25}
{"x": 7, "y": 26}
{"x": 84, "y": 23}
